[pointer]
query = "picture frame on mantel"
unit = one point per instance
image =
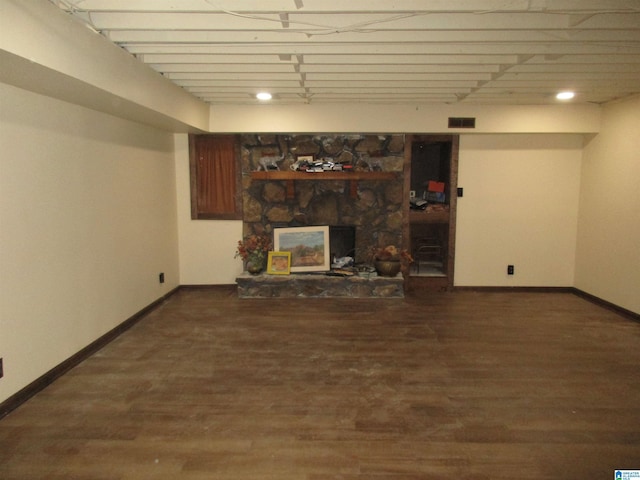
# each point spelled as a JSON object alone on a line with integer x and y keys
{"x": 309, "y": 247}
{"x": 279, "y": 263}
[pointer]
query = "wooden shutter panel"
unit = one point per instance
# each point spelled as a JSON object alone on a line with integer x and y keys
{"x": 214, "y": 181}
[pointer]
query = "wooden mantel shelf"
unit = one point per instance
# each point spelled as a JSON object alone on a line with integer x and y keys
{"x": 328, "y": 175}
{"x": 352, "y": 177}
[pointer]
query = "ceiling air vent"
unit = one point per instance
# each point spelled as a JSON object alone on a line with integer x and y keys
{"x": 462, "y": 122}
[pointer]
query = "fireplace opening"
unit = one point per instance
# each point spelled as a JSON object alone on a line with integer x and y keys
{"x": 342, "y": 241}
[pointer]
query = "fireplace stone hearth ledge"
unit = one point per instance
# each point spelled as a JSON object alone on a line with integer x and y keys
{"x": 319, "y": 285}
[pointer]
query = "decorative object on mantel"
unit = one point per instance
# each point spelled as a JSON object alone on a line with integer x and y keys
{"x": 270, "y": 163}
{"x": 388, "y": 260}
{"x": 254, "y": 250}
{"x": 279, "y": 263}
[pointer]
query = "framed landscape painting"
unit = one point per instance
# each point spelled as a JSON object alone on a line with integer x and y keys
{"x": 309, "y": 247}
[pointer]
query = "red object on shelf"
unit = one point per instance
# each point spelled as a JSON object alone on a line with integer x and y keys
{"x": 435, "y": 186}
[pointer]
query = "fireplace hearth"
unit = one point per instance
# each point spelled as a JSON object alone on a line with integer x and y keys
{"x": 307, "y": 285}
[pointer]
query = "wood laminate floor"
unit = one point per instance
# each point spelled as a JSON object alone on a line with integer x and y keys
{"x": 464, "y": 385}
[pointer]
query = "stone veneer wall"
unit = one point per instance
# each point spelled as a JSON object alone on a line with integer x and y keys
{"x": 267, "y": 286}
{"x": 376, "y": 212}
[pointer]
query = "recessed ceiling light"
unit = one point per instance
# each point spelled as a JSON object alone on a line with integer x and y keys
{"x": 263, "y": 96}
{"x": 565, "y": 95}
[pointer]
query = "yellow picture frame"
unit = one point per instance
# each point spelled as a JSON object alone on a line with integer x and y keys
{"x": 279, "y": 263}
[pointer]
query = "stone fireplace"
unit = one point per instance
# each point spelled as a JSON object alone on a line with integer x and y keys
{"x": 374, "y": 207}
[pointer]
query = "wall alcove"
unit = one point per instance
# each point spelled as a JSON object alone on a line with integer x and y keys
{"x": 431, "y": 176}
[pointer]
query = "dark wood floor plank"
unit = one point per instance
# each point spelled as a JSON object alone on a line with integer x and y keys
{"x": 473, "y": 385}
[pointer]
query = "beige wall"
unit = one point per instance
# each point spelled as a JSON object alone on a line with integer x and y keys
{"x": 47, "y": 51}
{"x": 407, "y": 118}
{"x": 87, "y": 222}
{"x": 207, "y": 247}
{"x": 608, "y": 242}
{"x": 519, "y": 207}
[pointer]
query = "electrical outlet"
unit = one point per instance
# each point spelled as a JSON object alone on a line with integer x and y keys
{"x": 510, "y": 269}
{"x": 161, "y": 277}
{"x": 460, "y": 191}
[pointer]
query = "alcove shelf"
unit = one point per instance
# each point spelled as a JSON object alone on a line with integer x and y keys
{"x": 352, "y": 177}
{"x": 416, "y": 217}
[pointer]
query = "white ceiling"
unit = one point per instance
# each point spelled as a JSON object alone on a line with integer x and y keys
{"x": 380, "y": 51}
